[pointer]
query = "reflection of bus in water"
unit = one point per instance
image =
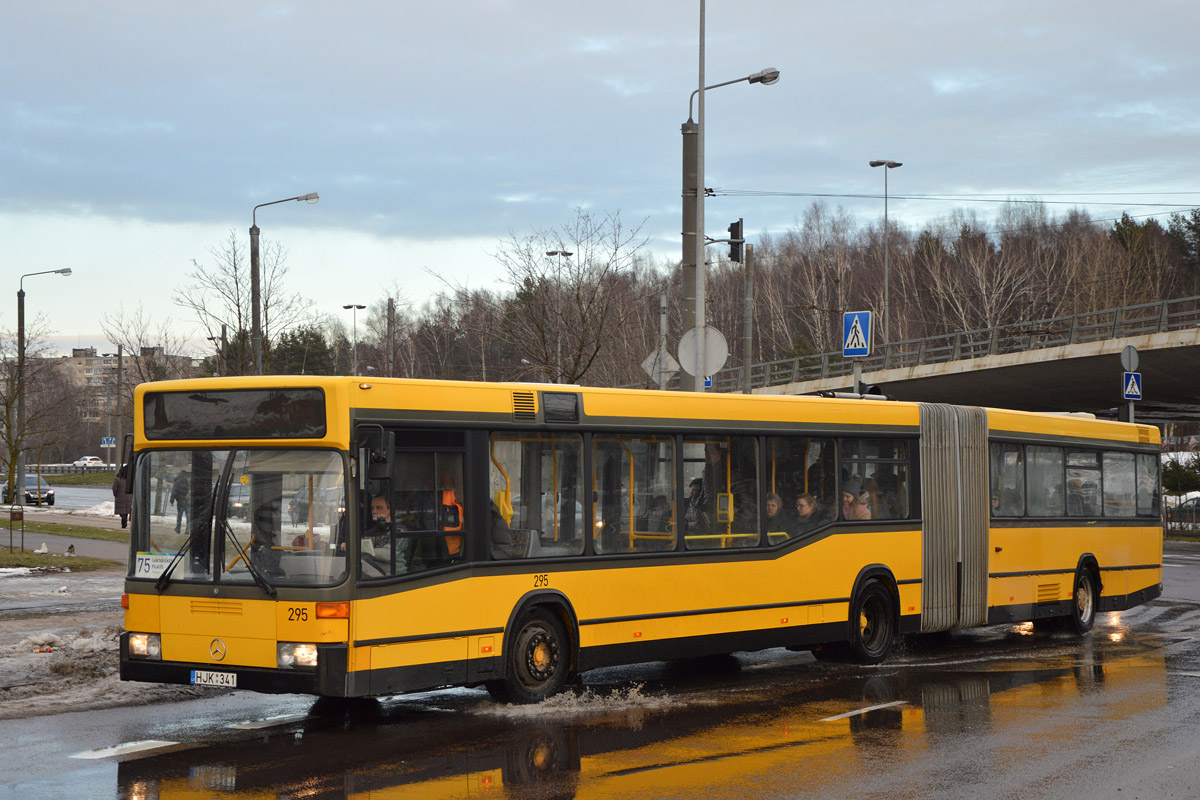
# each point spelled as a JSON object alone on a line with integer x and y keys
{"x": 831, "y": 738}
{"x": 396, "y": 536}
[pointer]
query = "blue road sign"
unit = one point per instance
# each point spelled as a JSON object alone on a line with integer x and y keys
{"x": 856, "y": 334}
{"x": 708, "y": 381}
{"x": 1132, "y": 385}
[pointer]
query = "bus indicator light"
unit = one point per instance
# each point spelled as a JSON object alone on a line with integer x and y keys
{"x": 783, "y": 620}
{"x": 487, "y": 648}
{"x": 637, "y": 634}
{"x": 333, "y": 610}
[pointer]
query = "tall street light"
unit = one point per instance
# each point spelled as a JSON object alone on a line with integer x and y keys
{"x": 220, "y": 344}
{"x": 255, "y": 296}
{"x": 19, "y": 476}
{"x": 354, "y": 308}
{"x": 887, "y": 165}
{"x": 693, "y": 211}
{"x": 558, "y": 328}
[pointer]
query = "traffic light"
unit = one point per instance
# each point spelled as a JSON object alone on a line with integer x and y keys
{"x": 735, "y": 241}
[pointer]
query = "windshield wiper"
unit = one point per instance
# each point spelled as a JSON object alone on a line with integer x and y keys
{"x": 259, "y": 578}
{"x": 165, "y": 578}
{"x": 221, "y": 512}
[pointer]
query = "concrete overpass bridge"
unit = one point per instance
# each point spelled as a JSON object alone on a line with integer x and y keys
{"x": 1059, "y": 364}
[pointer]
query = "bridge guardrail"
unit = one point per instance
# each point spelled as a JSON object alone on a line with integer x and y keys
{"x": 1113, "y": 323}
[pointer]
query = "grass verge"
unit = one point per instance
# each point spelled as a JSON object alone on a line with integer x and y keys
{"x": 53, "y": 562}
{"x": 97, "y": 478}
{"x": 60, "y": 529}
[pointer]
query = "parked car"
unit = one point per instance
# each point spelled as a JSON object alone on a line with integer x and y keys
{"x": 88, "y": 461}
{"x": 1186, "y": 512}
{"x": 36, "y": 491}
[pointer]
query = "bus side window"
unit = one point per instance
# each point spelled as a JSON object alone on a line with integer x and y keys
{"x": 634, "y": 480}
{"x": 536, "y": 496}
{"x": 721, "y": 506}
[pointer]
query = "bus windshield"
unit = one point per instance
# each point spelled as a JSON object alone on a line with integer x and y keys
{"x": 240, "y": 516}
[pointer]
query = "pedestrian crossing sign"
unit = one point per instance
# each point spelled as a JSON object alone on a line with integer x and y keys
{"x": 1132, "y": 384}
{"x": 856, "y": 334}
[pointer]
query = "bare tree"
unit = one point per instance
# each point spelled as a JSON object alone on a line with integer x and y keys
{"x": 46, "y": 399}
{"x": 565, "y": 307}
{"x": 220, "y": 296}
{"x": 150, "y": 352}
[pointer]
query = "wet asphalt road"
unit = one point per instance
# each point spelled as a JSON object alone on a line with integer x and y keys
{"x": 994, "y": 713}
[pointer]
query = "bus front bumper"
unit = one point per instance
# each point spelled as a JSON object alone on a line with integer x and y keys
{"x": 328, "y": 679}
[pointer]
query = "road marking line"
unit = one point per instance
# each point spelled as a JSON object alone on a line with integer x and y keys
{"x": 268, "y": 722}
{"x": 865, "y": 710}
{"x": 125, "y": 749}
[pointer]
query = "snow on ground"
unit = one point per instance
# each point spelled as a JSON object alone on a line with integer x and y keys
{"x": 105, "y": 509}
{"x": 58, "y": 645}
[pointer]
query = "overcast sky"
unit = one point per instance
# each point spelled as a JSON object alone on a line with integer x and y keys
{"x": 135, "y": 135}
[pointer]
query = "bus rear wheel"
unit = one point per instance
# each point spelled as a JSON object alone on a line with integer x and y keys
{"x": 537, "y": 659}
{"x": 1083, "y": 607}
{"x": 872, "y": 624}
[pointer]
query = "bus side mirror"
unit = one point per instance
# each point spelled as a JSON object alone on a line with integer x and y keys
{"x": 125, "y": 462}
{"x": 379, "y": 466}
{"x": 375, "y": 449}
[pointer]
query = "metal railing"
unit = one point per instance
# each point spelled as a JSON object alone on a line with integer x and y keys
{"x": 1092, "y": 326}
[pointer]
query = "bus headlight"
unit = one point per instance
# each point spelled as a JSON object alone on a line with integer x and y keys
{"x": 145, "y": 645}
{"x": 297, "y": 655}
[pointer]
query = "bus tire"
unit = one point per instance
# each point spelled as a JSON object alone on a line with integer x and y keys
{"x": 1084, "y": 601}
{"x": 872, "y": 623}
{"x": 537, "y": 659}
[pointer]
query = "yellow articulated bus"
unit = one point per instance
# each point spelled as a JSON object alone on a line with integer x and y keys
{"x": 348, "y": 537}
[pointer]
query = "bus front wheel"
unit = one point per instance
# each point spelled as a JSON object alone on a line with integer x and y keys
{"x": 872, "y": 624}
{"x": 1083, "y": 607}
{"x": 537, "y": 659}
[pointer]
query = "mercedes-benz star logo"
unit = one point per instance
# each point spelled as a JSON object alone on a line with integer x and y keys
{"x": 216, "y": 649}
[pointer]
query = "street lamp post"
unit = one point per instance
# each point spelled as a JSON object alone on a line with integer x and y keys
{"x": 693, "y": 211}
{"x": 19, "y": 475}
{"x": 886, "y": 286}
{"x": 354, "y": 308}
{"x": 558, "y": 328}
{"x": 255, "y": 295}
{"x": 219, "y": 343}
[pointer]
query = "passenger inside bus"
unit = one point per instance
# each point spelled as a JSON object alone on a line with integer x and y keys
{"x": 452, "y": 515}
{"x": 808, "y": 516}
{"x": 853, "y": 507}
{"x": 778, "y": 520}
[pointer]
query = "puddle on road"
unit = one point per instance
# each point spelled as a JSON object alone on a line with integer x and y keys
{"x": 797, "y": 728}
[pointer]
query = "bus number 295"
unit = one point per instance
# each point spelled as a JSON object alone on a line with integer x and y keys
{"x": 541, "y": 580}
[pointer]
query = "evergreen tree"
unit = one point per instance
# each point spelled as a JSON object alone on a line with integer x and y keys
{"x": 303, "y": 351}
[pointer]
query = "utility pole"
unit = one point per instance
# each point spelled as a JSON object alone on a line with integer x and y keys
{"x": 748, "y": 318}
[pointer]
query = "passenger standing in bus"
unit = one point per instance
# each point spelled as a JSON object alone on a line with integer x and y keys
{"x": 697, "y": 519}
{"x": 453, "y": 515}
